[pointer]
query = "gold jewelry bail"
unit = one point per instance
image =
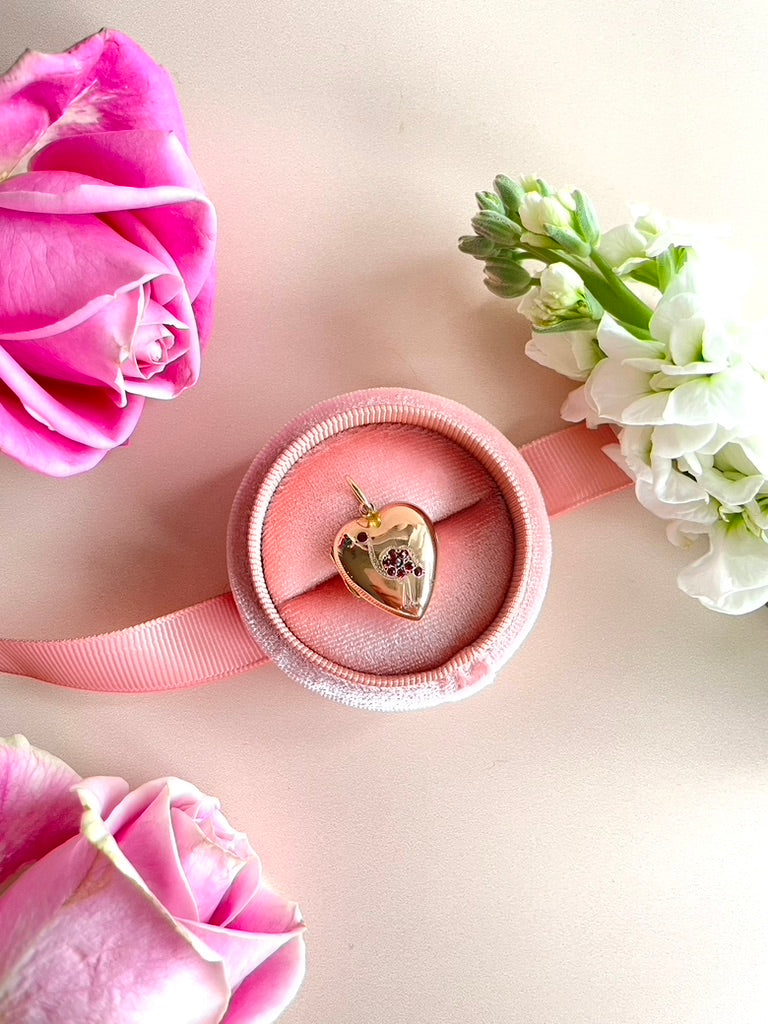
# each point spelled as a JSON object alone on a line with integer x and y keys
{"x": 366, "y": 508}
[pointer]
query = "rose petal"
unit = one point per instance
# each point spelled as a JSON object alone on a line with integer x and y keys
{"x": 149, "y": 843}
{"x": 209, "y": 869}
{"x": 141, "y": 797}
{"x": 90, "y": 353}
{"x": 144, "y": 160}
{"x": 25, "y": 439}
{"x": 64, "y": 269}
{"x": 182, "y": 368}
{"x": 267, "y": 911}
{"x": 203, "y": 307}
{"x": 64, "y": 955}
{"x": 86, "y": 415}
{"x": 105, "y": 83}
{"x": 38, "y": 809}
{"x": 240, "y": 893}
{"x": 241, "y": 952}
{"x": 105, "y": 792}
{"x": 263, "y": 995}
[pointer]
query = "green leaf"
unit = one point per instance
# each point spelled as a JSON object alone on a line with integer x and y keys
{"x": 497, "y": 227}
{"x": 477, "y": 246}
{"x": 586, "y": 218}
{"x": 511, "y": 193}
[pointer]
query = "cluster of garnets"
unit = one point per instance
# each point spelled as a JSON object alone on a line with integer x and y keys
{"x": 399, "y": 562}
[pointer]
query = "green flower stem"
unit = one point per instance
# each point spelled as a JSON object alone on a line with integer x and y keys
{"x": 640, "y": 313}
{"x": 609, "y": 290}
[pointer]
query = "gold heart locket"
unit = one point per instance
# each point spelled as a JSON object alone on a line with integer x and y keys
{"x": 388, "y": 556}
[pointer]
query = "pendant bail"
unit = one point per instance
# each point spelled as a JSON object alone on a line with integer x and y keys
{"x": 366, "y": 508}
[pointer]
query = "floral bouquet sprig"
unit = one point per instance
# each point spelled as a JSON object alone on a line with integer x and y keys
{"x": 636, "y": 315}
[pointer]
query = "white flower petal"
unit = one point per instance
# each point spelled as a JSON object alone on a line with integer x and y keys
{"x": 725, "y": 398}
{"x": 685, "y": 340}
{"x": 728, "y": 491}
{"x": 732, "y": 577}
{"x": 619, "y": 344}
{"x": 649, "y": 409}
{"x": 613, "y": 387}
{"x": 575, "y": 408}
{"x": 673, "y": 440}
{"x": 572, "y": 353}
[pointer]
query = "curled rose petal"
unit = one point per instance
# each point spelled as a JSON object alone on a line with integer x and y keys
{"x": 38, "y": 809}
{"x": 149, "y": 844}
{"x": 185, "y": 224}
{"x": 72, "y": 912}
{"x": 208, "y": 867}
{"x": 263, "y": 995}
{"x": 30, "y": 443}
{"x": 241, "y": 952}
{"x": 105, "y": 83}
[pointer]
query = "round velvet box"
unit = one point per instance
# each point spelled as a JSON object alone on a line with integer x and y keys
{"x": 400, "y": 446}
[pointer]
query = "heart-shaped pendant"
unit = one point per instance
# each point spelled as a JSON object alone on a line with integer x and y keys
{"x": 388, "y": 556}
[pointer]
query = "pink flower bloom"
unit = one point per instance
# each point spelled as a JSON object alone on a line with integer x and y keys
{"x": 107, "y": 279}
{"x": 140, "y": 907}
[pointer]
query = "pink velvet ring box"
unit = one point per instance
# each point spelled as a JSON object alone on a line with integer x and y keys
{"x": 400, "y": 446}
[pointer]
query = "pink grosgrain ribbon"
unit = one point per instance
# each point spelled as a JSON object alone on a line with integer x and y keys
{"x": 209, "y": 641}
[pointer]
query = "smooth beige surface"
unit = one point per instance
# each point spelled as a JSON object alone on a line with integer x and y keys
{"x": 585, "y": 842}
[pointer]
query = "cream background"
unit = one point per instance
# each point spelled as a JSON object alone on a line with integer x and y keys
{"x": 584, "y": 842}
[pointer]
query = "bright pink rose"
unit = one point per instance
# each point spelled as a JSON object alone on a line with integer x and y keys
{"x": 140, "y": 907}
{"x": 107, "y": 279}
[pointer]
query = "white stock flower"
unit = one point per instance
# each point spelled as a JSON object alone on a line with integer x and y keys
{"x": 732, "y": 577}
{"x": 706, "y": 482}
{"x": 693, "y": 372}
{"x": 560, "y": 288}
{"x": 572, "y": 353}
{"x": 537, "y": 211}
{"x": 628, "y": 245}
{"x": 558, "y": 296}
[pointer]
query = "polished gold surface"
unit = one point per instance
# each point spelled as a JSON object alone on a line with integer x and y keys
{"x": 388, "y": 556}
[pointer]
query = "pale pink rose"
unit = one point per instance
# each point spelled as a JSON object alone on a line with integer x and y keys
{"x": 107, "y": 276}
{"x": 141, "y": 907}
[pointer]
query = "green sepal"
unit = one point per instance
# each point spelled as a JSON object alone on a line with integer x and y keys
{"x": 497, "y": 227}
{"x": 586, "y": 218}
{"x": 595, "y": 309}
{"x": 489, "y": 201}
{"x": 477, "y": 246}
{"x": 568, "y": 240}
{"x": 576, "y": 324}
{"x": 505, "y": 291}
{"x": 511, "y": 192}
{"x": 670, "y": 263}
{"x": 646, "y": 273}
{"x": 508, "y": 272}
